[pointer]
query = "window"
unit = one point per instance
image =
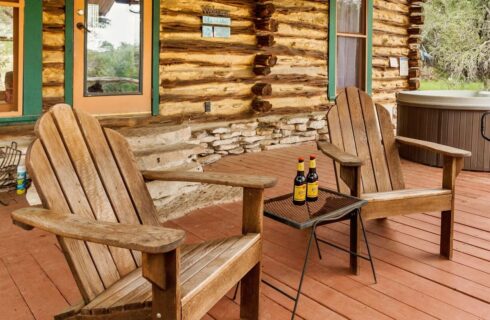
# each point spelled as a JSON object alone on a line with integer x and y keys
{"x": 350, "y": 45}
{"x": 11, "y": 57}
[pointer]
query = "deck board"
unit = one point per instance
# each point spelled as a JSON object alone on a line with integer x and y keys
{"x": 414, "y": 282}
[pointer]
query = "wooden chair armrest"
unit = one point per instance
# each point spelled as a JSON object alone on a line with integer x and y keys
{"x": 227, "y": 179}
{"x": 435, "y": 147}
{"x": 342, "y": 157}
{"x": 147, "y": 239}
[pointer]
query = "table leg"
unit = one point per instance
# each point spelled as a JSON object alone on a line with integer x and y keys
{"x": 317, "y": 246}
{"x": 368, "y": 250}
{"x": 312, "y": 235}
{"x": 355, "y": 231}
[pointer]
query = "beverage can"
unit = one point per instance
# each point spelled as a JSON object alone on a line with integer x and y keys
{"x": 21, "y": 180}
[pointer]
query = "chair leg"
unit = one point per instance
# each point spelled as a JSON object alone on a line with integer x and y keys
{"x": 250, "y": 294}
{"x": 447, "y": 230}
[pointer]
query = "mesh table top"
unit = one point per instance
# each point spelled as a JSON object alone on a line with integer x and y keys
{"x": 330, "y": 206}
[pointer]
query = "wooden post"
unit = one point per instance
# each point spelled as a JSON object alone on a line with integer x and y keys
{"x": 253, "y": 210}
{"x": 352, "y": 177}
{"x": 163, "y": 271}
{"x": 451, "y": 168}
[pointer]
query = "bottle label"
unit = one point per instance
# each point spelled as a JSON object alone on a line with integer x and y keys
{"x": 300, "y": 193}
{"x": 313, "y": 189}
{"x": 301, "y": 166}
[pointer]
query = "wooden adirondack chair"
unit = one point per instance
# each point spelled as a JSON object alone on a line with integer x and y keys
{"x": 125, "y": 264}
{"x": 367, "y": 165}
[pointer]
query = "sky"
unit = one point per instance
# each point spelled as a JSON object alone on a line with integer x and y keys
{"x": 124, "y": 27}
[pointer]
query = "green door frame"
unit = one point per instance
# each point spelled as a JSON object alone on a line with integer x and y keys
{"x": 32, "y": 100}
{"x": 332, "y": 49}
{"x": 69, "y": 28}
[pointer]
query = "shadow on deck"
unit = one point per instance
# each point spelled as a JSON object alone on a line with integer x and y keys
{"x": 413, "y": 281}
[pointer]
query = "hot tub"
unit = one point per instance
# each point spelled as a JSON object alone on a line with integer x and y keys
{"x": 448, "y": 117}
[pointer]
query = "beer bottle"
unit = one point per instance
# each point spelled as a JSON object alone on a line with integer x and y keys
{"x": 299, "y": 193}
{"x": 312, "y": 181}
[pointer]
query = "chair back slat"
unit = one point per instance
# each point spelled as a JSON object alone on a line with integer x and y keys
{"x": 132, "y": 177}
{"x": 391, "y": 149}
{"x": 88, "y": 172}
{"x": 375, "y": 143}
{"x": 52, "y": 197}
{"x": 357, "y": 127}
{"x": 336, "y": 139}
{"x": 353, "y": 103}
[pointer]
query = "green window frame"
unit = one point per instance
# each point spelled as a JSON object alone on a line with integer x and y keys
{"x": 33, "y": 64}
{"x": 332, "y": 48}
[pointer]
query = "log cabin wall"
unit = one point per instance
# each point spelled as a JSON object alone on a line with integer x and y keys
{"x": 397, "y": 25}
{"x": 390, "y": 39}
{"x": 195, "y": 69}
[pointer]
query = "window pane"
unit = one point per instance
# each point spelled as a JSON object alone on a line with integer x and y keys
{"x": 113, "y": 48}
{"x": 7, "y": 60}
{"x": 350, "y": 16}
{"x": 350, "y": 62}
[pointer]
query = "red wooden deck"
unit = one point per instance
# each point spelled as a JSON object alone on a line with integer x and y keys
{"x": 413, "y": 282}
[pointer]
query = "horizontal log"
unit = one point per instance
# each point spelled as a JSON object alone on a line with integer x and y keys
{"x": 417, "y": 9}
{"x": 181, "y": 27}
{"x": 267, "y": 60}
{"x": 313, "y": 81}
{"x": 414, "y": 73}
{"x": 417, "y": 19}
{"x": 260, "y": 105}
{"x": 414, "y": 84}
{"x": 266, "y": 25}
{"x": 414, "y": 54}
{"x": 265, "y": 40}
{"x": 261, "y": 70}
{"x": 415, "y": 30}
{"x": 262, "y": 89}
{"x": 202, "y": 97}
{"x": 199, "y": 46}
{"x": 264, "y": 10}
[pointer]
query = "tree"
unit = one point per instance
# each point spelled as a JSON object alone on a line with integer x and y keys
{"x": 457, "y": 34}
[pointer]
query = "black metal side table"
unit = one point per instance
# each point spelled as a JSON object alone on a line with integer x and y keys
{"x": 330, "y": 207}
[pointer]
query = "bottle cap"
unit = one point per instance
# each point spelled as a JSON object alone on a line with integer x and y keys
{"x": 312, "y": 157}
{"x": 301, "y": 159}
{"x": 21, "y": 169}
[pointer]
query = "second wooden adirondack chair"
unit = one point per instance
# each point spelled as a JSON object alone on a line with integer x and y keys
{"x": 125, "y": 264}
{"x": 367, "y": 165}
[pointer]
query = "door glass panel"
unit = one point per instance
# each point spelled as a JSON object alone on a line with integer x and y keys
{"x": 350, "y": 62}
{"x": 8, "y": 95}
{"x": 113, "y": 47}
{"x": 350, "y": 16}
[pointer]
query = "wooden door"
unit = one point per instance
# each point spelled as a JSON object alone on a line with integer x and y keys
{"x": 112, "y": 56}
